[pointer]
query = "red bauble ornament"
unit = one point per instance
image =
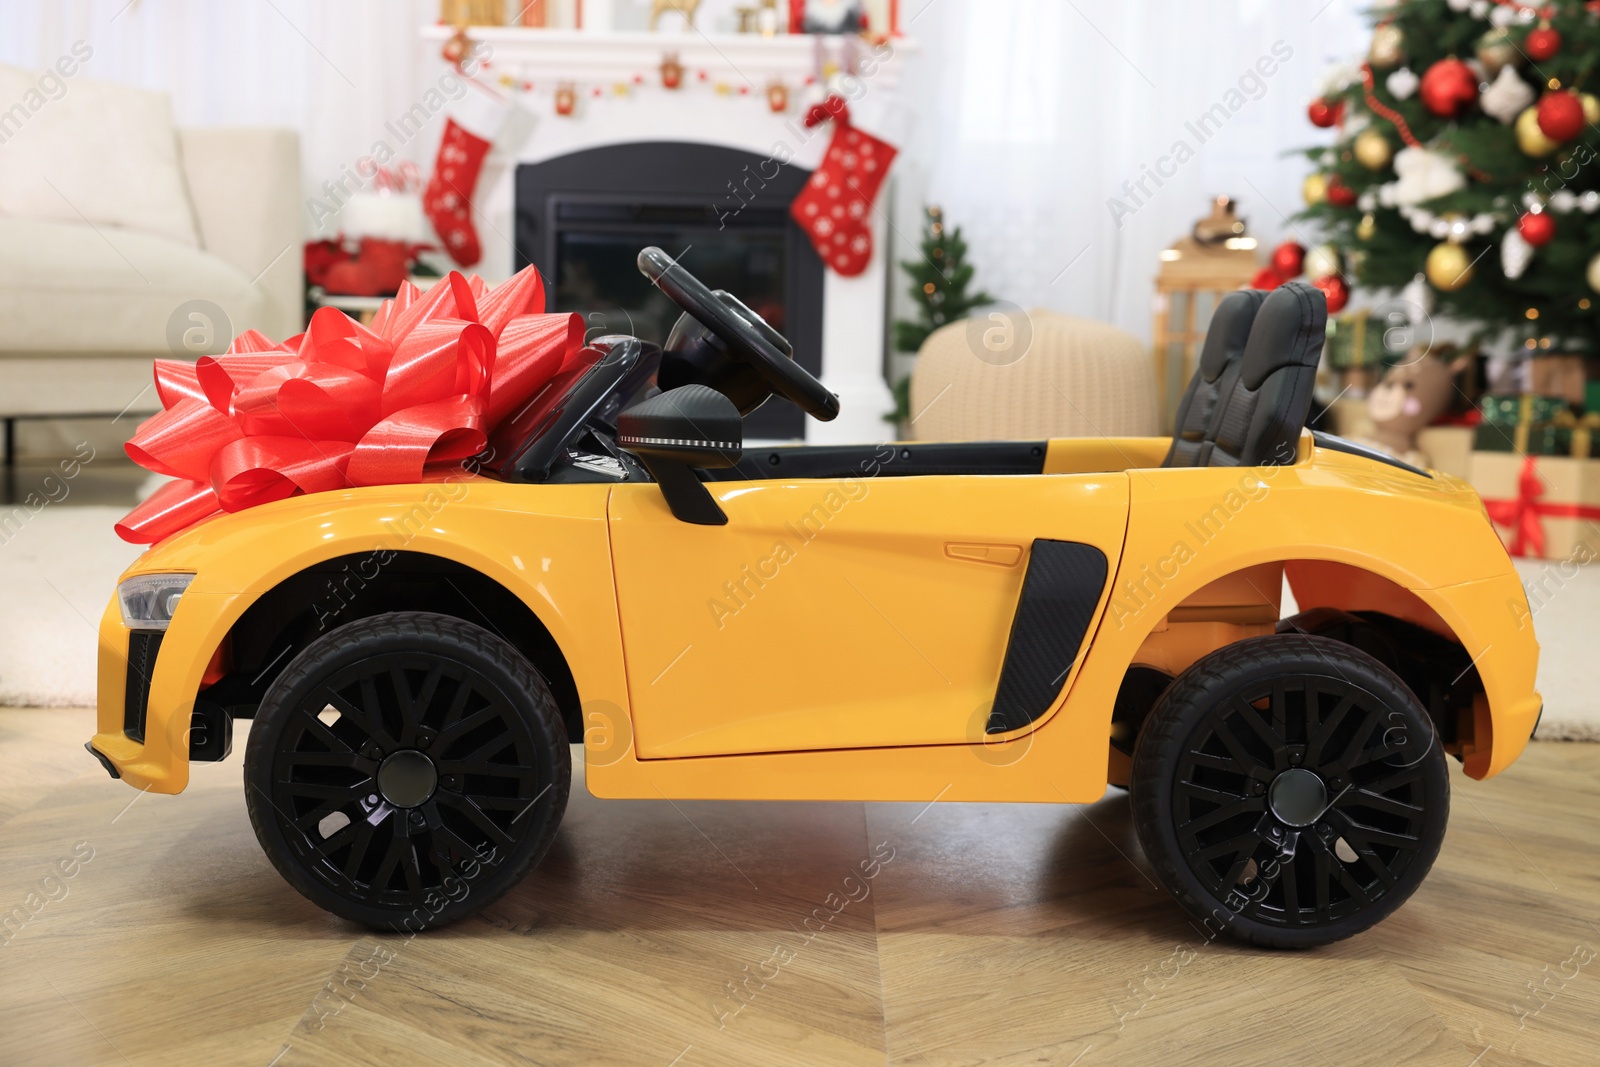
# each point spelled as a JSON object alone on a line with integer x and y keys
{"x": 1336, "y": 290}
{"x": 1537, "y": 228}
{"x": 1266, "y": 278}
{"x": 1449, "y": 87}
{"x": 1325, "y": 114}
{"x": 1561, "y": 115}
{"x": 1288, "y": 259}
{"x": 1541, "y": 44}
{"x": 1340, "y": 194}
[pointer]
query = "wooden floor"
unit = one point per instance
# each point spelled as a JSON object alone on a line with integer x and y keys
{"x": 994, "y": 934}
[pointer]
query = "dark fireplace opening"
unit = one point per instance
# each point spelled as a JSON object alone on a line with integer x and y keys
{"x": 583, "y": 217}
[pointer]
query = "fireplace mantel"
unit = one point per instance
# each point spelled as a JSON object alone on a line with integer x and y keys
{"x": 595, "y": 56}
{"x": 612, "y": 108}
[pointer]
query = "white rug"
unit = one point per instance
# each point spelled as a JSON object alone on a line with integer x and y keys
{"x": 60, "y": 567}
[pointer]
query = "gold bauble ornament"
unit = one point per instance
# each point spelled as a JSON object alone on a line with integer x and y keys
{"x": 1591, "y": 107}
{"x": 1388, "y": 46}
{"x": 1373, "y": 149}
{"x": 1321, "y": 261}
{"x": 1496, "y": 50}
{"x": 1449, "y": 267}
{"x": 1530, "y": 138}
{"x": 1314, "y": 189}
{"x": 1366, "y": 227}
{"x": 1592, "y": 274}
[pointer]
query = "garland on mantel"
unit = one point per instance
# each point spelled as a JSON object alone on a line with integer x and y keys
{"x": 670, "y": 76}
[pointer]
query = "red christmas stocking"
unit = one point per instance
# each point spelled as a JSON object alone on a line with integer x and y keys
{"x": 469, "y": 131}
{"x": 835, "y": 207}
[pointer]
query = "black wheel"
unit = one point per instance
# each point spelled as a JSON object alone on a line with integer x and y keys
{"x": 406, "y": 769}
{"x": 1290, "y": 790}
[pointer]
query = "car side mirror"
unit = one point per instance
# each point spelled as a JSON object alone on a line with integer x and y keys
{"x": 676, "y": 431}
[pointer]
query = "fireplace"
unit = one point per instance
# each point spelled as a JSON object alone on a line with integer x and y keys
{"x": 583, "y": 217}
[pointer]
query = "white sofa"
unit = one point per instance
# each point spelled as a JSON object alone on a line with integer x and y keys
{"x": 85, "y": 308}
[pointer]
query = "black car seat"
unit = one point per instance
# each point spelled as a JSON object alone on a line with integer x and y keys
{"x": 1219, "y": 357}
{"x": 1252, "y": 391}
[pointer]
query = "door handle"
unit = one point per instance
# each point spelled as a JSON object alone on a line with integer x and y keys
{"x": 984, "y": 552}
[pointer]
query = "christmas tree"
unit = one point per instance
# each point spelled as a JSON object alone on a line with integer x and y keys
{"x": 939, "y": 283}
{"x": 1465, "y": 138}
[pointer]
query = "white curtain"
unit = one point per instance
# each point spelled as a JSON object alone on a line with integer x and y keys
{"x": 1032, "y": 114}
{"x": 335, "y": 70}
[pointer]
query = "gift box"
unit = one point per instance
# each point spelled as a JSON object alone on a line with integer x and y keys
{"x": 1356, "y": 342}
{"x": 1521, "y": 423}
{"x": 1448, "y": 448}
{"x": 1560, "y": 376}
{"x": 1542, "y": 506}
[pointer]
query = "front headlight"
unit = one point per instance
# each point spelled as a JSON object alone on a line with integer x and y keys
{"x": 149, "y": 600}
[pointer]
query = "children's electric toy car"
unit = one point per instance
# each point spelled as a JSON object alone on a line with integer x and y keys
{"x": 994, "y": 621}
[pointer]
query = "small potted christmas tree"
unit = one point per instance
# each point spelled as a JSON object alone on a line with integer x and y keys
{"x": 939, "y": 287}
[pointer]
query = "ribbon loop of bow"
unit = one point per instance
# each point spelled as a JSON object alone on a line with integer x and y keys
{"x": 345, "y": 405}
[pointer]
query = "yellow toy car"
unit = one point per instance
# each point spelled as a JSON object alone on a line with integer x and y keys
{"x": 995, "y": 621}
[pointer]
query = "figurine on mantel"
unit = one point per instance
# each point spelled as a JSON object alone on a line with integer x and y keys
{"x": 1410, "y": 397}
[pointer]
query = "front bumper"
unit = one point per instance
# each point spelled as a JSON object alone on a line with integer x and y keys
{"x": 147, "y": 685}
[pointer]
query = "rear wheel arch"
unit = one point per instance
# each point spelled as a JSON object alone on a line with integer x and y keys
{"x": 1360, "y": 607}
{"x": 289, "y": 616}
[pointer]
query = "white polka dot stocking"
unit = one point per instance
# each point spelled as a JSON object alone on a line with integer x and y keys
{"x": 835, "y": 207}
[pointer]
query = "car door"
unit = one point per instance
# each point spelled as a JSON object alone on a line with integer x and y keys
{"x": 848, "y": 612}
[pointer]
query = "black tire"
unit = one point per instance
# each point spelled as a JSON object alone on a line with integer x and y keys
{"x": 407, "y": 769}
{"x": 1220, "y": 791}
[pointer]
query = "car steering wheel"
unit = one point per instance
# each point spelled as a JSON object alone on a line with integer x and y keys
{"x": 747, "y": 336}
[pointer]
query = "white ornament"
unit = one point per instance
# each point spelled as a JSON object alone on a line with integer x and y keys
{"x": 1502, "y": 16}
{"x": 1321, "y": 261}
{"x": 1592, "y": 275}
{"x": 1418, "y": 296}
{"x": 1459, "y": 5}
{"x": 1515, "y": 254}
{"x": 1483, "y": 223}
{"x": 1367, "y": 201}
{"x": 1338, "y": 78}
{"x": 1531, "y": 200}
{"x": 1402, "y": 83}
{"x": 1479, "y": 8}
{"x": 1507, "y": 96}
{"x": 1458, "y": 228}
{"x": 1588, "y": 202}
{"x": 1439, "y": 229}
{"x": 1424, "y": 175}
{"x": 1564, "y": 200}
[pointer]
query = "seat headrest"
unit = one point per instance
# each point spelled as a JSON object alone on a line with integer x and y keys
{"x": 1229, "y": 331}
{"x": 1288, "y": 328}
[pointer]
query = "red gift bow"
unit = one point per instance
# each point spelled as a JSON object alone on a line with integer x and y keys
{"x": 344, "y": 405}
{"x": 1525, "y": 515}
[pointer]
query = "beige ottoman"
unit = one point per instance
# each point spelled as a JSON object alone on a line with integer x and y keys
{"x": 1015, "y": 375}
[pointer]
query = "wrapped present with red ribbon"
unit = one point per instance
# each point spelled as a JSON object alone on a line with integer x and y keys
{"x": 345, "y": 405}
{"x": 1545, "y": 507}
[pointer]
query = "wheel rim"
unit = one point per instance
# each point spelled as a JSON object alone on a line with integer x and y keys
{"x": 1302, "y": 801}
{"x": 401, "y": 771}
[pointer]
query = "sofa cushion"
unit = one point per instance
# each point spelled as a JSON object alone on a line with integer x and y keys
{"x": 91, "y": 150}
{"x": 75, "y": 288}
